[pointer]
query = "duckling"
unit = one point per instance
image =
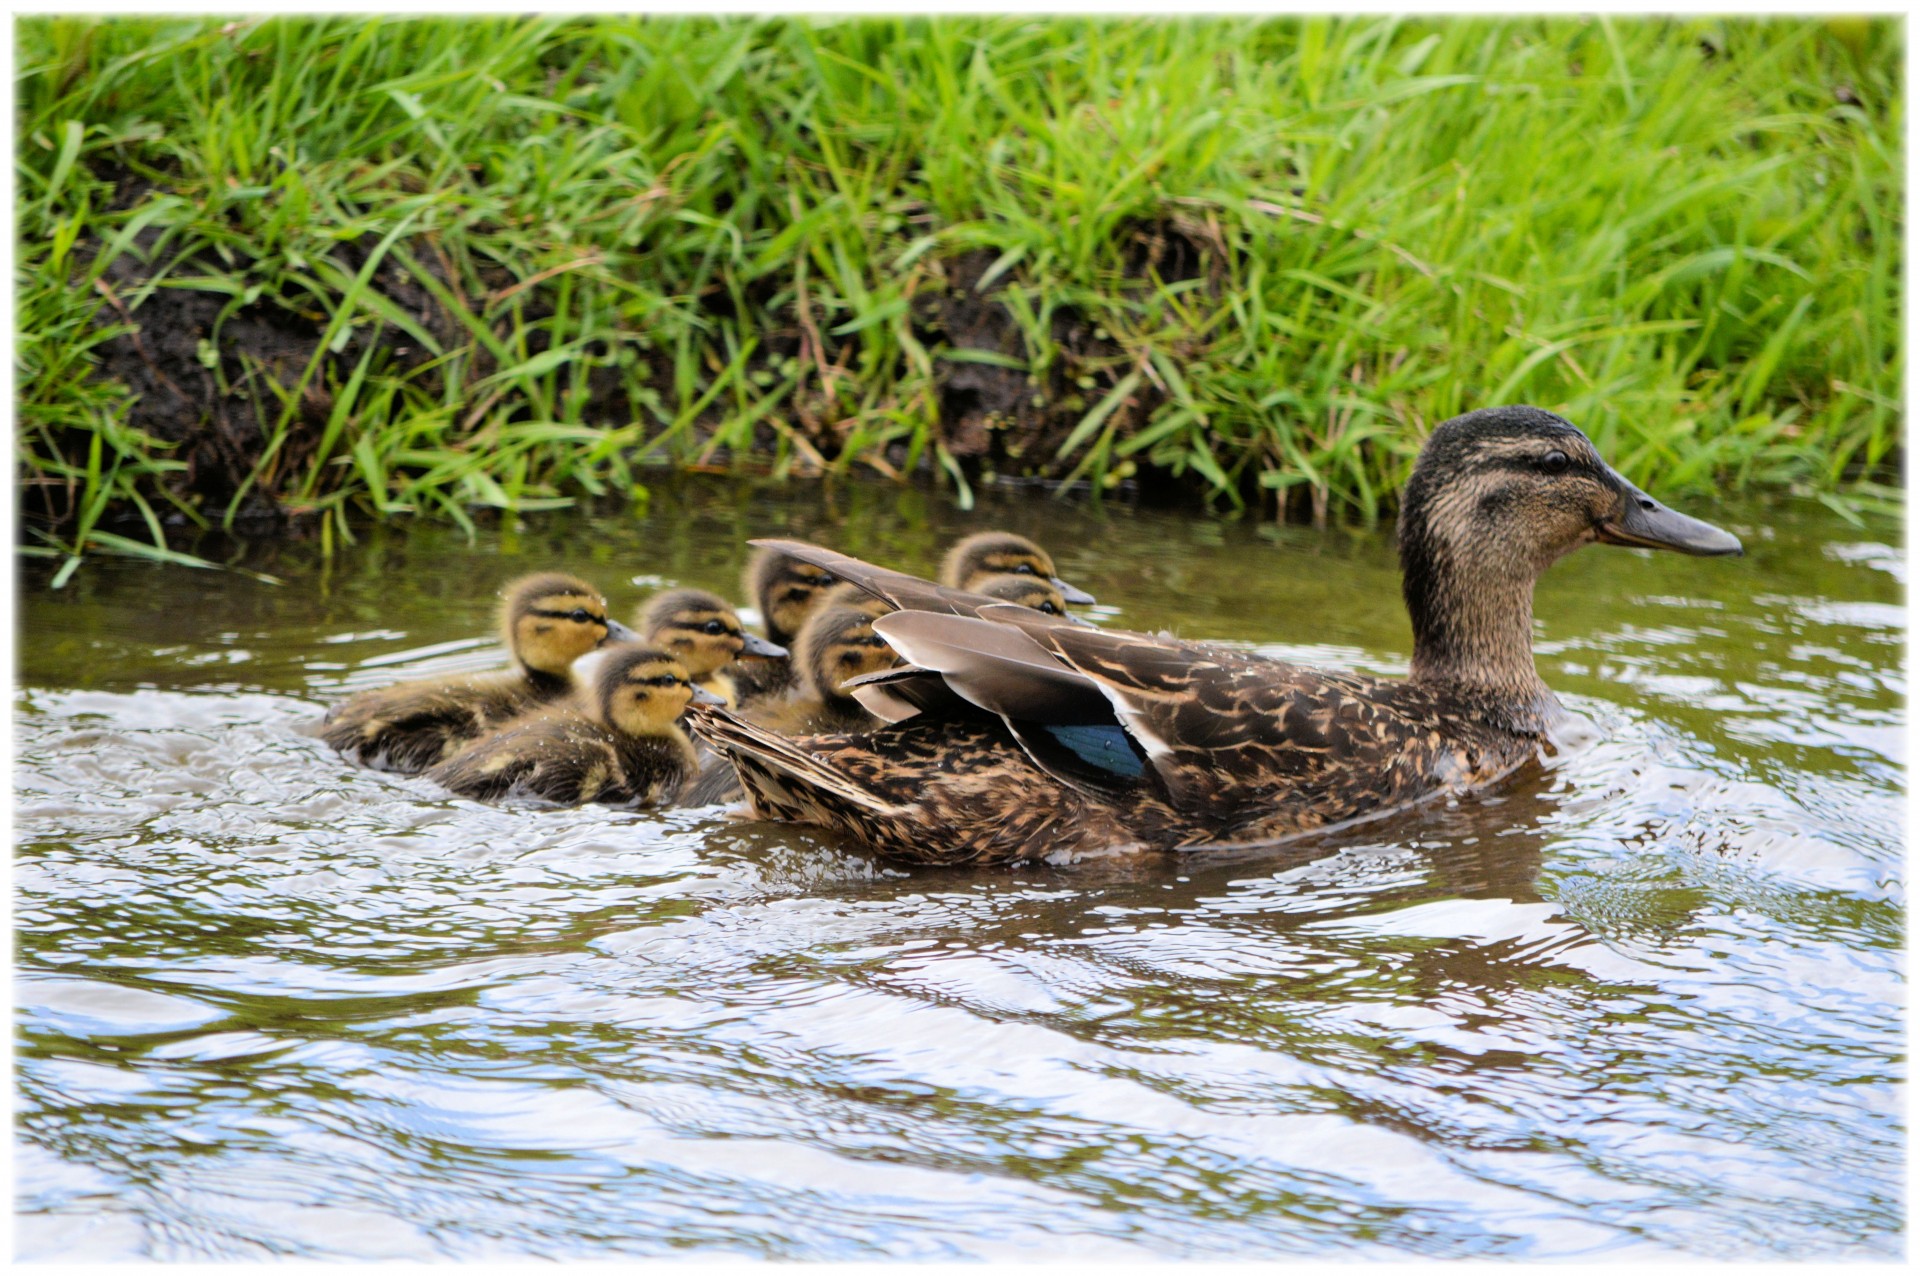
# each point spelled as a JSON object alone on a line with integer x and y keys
{"x": 616, "y": 743}
{"x": 1032, "y": 592}
{"x": 703, "y": 633}
{"x": 1021, "y": 736}
{"x": 987, "y": 554}
{"x": 786, "y": 591}
{"x": 838, "y": 643}
{"x": 805, "y": 709}
{"x": 547, "y": 621}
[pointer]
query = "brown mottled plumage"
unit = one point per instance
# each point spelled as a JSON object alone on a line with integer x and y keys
{"x": 1018, "y": 736}
{"x": 546, "y": 621}
{"x": 702, "y": 631}
{"x": 617, "y": 743}
{"x": 988, "y": 554}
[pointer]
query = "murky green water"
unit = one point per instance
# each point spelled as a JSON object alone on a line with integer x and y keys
{"x": 270, "y": 1004}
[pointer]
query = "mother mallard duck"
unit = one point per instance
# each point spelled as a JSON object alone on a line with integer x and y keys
{"x": 1017, "y": 736}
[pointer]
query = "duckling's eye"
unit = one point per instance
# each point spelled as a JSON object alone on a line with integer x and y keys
{"x": 580, "y": 615}
{"x": 1047, "y": 609}
{"x": 1555, "y": 462}
{"x": 1024, "y": 569}
{"x": 713, "y": 627}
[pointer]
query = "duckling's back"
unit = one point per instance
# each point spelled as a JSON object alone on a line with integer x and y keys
{"x": 410, "y": 726}
{"x": 559, "y": 755}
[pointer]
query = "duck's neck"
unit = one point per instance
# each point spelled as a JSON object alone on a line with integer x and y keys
{"x": 1472, "y": 613}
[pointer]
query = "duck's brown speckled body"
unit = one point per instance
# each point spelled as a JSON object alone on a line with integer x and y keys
{"x": 547, "y": 622}
{"x": 1020, "y": 736}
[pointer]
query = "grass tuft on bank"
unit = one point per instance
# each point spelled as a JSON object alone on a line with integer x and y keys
{"x": 297, "y": 268}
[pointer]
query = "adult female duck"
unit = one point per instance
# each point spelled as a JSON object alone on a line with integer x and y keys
{"x": 1018, "y": 736}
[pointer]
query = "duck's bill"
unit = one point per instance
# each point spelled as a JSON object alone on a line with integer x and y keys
{"x": 702, "y": 696}
{"x": 617, "y": 632}
{"x": 1069, "y": 593}
{"x": 1647, "y": 524}
{"x": 757, "y": 646}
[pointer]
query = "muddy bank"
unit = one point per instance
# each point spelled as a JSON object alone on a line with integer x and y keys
{"x": 238, "y": 380}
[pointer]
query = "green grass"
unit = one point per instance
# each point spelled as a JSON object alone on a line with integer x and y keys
{"x": 690, "y": 239}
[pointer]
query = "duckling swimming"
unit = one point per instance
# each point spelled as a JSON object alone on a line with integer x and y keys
{"x": 987, "y": 554}
{"x": 838, "y": 643}
{"x": 1021, "y": 736}
{"x": 702, "y": 631}
{"x": 617, "y": 744}
{"x": 547, "y": 622}
{"x": 786, "y": 591}
{"x": 1032, "y": 592}
{"x": 836, "y": 646}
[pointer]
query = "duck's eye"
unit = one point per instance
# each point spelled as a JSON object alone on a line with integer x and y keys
{"x": 1024, "y": 569}
{"x": 713, "y": 627}
{"x": 1555, "y": 462}
{"x": 1047, "y": 609}
{"x": 581, "y": 616}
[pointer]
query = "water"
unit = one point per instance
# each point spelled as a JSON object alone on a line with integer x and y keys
{"x": 270, "y": 1004}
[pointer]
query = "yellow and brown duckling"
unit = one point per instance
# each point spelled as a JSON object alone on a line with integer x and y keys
{"x": 1033, "y": 592}
{"x": 703, "y": 632}
{"x": 1021, "y": 736}
{"x": 835, "y": 646}
{"x": 839, "y": 643}
{"x": 547, "y": 621}
{"x": 786, "y": 591}
{"x": 618, "y": 742}
{"x": 988, "y": 554}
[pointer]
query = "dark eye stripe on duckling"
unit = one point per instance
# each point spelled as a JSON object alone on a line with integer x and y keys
{"x": 716, "y": 626}
{"x": 579, "y": 615}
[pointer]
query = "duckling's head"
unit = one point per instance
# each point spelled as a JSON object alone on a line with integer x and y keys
{"x": 1495, "y": 497}
{"x": 986, "y": 554}
{"x": 785, "y": 590}
{"x": 700, "y": 630}
{"x": 641, "y": 690}
{"x": 1025, "y": 591}
{"x": 550, "y": 620}
{"x": 839, "y": 643}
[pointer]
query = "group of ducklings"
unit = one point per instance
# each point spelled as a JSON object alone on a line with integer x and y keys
{"x": 590, "y": 710}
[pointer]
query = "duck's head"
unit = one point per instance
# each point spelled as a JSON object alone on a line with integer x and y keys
{"x": 550, "y": 620}
{"x": 1040, "y": 594}
{"x": 839, "y": 643}
{"x": 986, "y": 554}
{"x": 641, "y": 691}
{"x": 700, "y": 630}
{"x": 1495, "y": 497}
{"x": 1521, "y": 485}
{"x": 785, "y": 590}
